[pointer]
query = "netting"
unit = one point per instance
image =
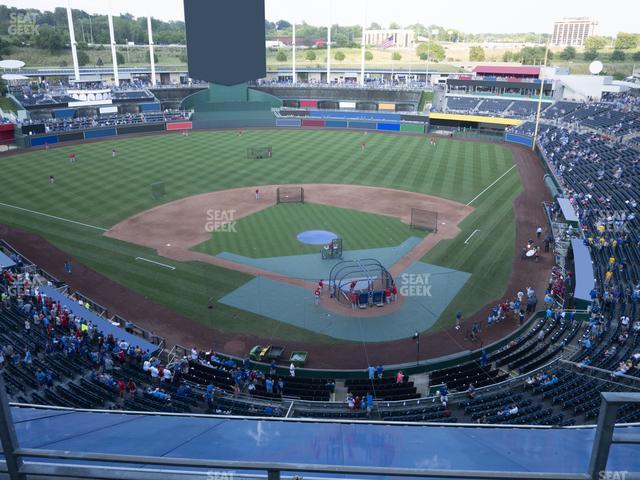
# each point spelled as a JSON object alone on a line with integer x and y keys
{"x": 290, "y": 195}
{"x": 259, "y": 152}
{"x": 424, "y": 219}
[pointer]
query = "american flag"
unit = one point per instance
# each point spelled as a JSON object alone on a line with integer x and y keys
{"x": 389, "y": 42}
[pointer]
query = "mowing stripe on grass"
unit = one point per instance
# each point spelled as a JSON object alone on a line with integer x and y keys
{"x": 492, "y": 184}
{"x": 53, "y": 216}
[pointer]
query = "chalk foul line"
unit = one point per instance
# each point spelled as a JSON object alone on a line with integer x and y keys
{"x": 52, "y": 216}
{"x": 156, "y": 263}
{"x": 469, "y": 237}
{"x": 492, "y": 184}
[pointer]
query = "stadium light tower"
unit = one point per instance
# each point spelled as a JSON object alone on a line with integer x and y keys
{"x": 153, "y": 61}
{"x": 114, "y": 57}
{"x": 72, "y": 41}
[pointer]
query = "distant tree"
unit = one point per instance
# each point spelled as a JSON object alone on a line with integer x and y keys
{"x": 533, "y": 55}
{"x": 281, "y": 56}
{"x": 590, "y": 55}
{"x": 83, "y": 57}
{"x": 368, "y": 56}
{"x": 310, "y": 55}
{"x": 508, "y": 56}
{"x": 99, "y": 62}
{"x": 636, "y": 56}
{"x": 569, "y": 53}
{"x": 626, "y": 41}
{"x": 49, "y": 39}
{"x": 340, "y": 56}
{"x": 375, "y": 26}
{"x": 394, "y": 26}
{"x": 594, "y": 43}
{"x": 476, "y": 54}
{"x": 433, "y": 49}
{"x": 617, "y": 56}
{"x": 396, "y": 56}
{"x": 282, "y": 25}
{"x": 119, "y": 58}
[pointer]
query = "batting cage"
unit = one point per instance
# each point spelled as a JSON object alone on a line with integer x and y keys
{"x": 259, "y": 152}
{"x": 424, "y": 219}
{"x": 158, "y": 190}
{"x": 290, "y": 195}
{"x": 360, "y": 283}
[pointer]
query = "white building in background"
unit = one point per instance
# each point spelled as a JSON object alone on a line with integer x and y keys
{"x": 572, "y": 32}
{"x": 402, "y": 38}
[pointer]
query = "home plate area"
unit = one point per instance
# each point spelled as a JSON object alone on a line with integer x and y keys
{"x": 429, "y": 289}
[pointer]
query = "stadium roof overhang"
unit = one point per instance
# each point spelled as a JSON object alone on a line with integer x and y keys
{"x": 474, "y": 118}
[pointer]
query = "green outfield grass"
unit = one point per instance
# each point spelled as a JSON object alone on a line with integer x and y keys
{"x": 272, "y": 231}
{"x": 101, "y": 191}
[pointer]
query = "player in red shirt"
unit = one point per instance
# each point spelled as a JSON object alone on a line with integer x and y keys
{"x": 317, "y": 295}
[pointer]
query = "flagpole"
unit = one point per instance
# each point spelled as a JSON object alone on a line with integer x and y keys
{"x": 362, "y": 53}
{"x": 72, "y": 41}
{"x": 114, "y": 55}
{"x": 542, "y": 73}
{"x": 329, "y": 46}
{"x": 151, "y": 54}
{"x": 293, "y": 51}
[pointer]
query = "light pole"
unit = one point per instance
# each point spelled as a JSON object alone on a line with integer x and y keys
{"x": 430, "y": 32}
{"x": 416, "y": 338}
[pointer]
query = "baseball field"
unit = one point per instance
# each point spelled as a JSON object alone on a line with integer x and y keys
{"x": 97, "y": 191}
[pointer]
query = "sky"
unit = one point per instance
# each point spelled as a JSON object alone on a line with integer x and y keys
{"x": 488, "y": 16}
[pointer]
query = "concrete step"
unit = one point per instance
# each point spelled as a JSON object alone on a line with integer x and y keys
{"x": 340, "y": 392}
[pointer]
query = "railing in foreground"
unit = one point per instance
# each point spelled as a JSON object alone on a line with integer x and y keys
{"x": 19, "y": 462}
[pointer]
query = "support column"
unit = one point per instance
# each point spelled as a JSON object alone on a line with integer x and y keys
{"x": 8, "y": 437}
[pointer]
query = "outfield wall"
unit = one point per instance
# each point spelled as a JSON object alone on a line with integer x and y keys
{"x": 525, "y": 140}
{"x": 27, "y": 141}
{"x": 380, "y": 126}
